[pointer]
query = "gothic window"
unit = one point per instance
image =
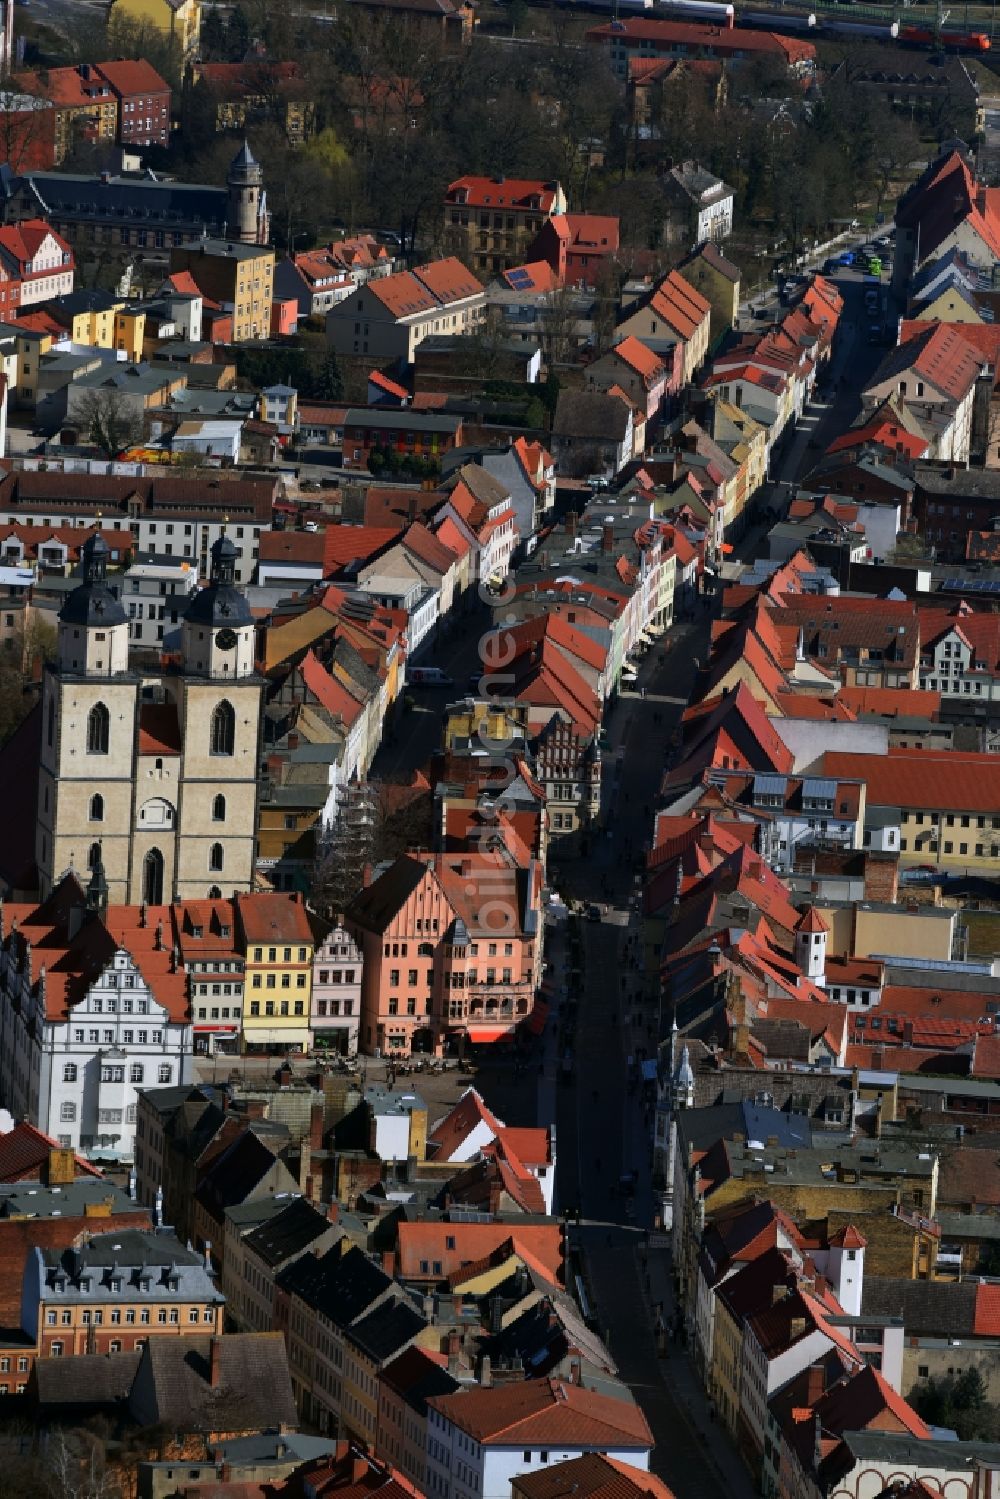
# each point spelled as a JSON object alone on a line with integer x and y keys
{"x": 219, "y": 809}
{"x": 97, "y": 807}
{"x": 98, "y": 724}
{"x": 216, "y": 858}
{"x": 152, "y": 878}
{"x": 223, "y": 729}
{"x": 94, "y": 856}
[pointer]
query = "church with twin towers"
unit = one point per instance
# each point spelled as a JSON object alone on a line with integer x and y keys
{"x": 151, "y": 775}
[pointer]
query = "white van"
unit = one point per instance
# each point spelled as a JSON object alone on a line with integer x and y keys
{"x": 429, "y": 676}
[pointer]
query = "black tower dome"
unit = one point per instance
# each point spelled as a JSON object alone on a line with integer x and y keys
{"x": 93, "y": 603}
{"x": 221, "y": 602}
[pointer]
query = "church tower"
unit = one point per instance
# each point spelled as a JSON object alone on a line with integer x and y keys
{"x": 246, "y": 188}
{"x": 219, "y": 712}
{"x": 149, "y": 781}
{"x": 89, "y": 708}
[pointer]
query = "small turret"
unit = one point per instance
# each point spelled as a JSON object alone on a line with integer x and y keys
{"x": 245, "y": 182}
{"x": 684, "y": 1082}
{"x": 811, "y": 933}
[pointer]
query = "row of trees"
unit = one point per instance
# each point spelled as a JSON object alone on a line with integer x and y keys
{"x": 398, "y": 113}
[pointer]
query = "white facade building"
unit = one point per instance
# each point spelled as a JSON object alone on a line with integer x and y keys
{"x": 155, "y": 595}
{"x": 478, "y": 1441}
{"x": 78, "y": 1038}
{"x": 336, "y": 992}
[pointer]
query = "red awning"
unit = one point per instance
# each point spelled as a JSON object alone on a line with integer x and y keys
{"x": 481, "y": 1034}
{"x": 726, "y": 549}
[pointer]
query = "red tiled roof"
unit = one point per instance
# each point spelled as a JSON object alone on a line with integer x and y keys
{"x": 293, "y": 546}
{"x": 502, "y": 192}
{"x": 272, "y": 917}
{"x": 159, "y": 730}
{"x": 939, "y": 780}
{"x": 890, "y": 702}
{"x": 641, "y": 359}
{"x": 24, "y": 1152}
{"x": 130, "y": 76}
{"x": 594, "y": 1475}
{"x": 536, "y": 275}
{"x": 426, "y": 1241}
{"x": 986, "y": 1323}
{"x": 699, "y": 38}
{"x": 811, "y": 921}
{"x": 450, "y": 1132}
{"x": 545, "y": 1413}
{"x": 848, "y": 1238}
{"x": 344, "y": 545}
{"x": 328, "y": 690}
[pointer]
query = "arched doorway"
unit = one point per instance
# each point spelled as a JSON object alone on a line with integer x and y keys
{"x": 152, "y": 878}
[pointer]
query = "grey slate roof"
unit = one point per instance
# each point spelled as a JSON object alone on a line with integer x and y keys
{"x": 145, "y": 199}
{"x": 288, "y": 1233}
{"x": 254, "y": 1390}
{"x": 89, "y": 1379}
{"x": 387, "y": 1330}
{"x": 589, "y": 414}
{"x": 341, "y": 1287}
{"x": 929, "y": 1308}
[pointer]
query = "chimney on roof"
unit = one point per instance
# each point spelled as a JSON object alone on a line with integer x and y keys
{"x": 796, "y": 1327}
{"x": 316, "y": 1118}
{"x": 778, "y": 1293}
{"x": 158, "y": 937}
{"x": 454, "y": 1351}
{"x": 570, "y": 522}
{"x": 814, "y": 1384}
{"x": 484, "y": 1371}
{"x": 215, "y": 1363}
{"x": 333, "y": 1212}
{"x": 607, "y": 538}
{"x": 293, "y": 741}
{"x": 60, "y": 1168}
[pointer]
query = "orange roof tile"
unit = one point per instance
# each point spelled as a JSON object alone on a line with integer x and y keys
{"x": 545, "y": 1413}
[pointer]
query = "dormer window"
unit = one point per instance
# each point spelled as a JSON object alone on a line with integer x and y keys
{"x": 144, "y": 1283}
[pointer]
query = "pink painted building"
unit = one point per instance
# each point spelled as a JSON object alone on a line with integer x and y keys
{"x": 452, "y": 948}
{"x": 336, "y": 992}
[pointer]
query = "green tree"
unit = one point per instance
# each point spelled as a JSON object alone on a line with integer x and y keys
{"x": 329, "y": 383}
{"x": 958, "y": 1402}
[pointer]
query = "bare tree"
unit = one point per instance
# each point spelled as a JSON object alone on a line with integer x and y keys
{"x": 374, "y": 823}
{"x": 111, "y": 420}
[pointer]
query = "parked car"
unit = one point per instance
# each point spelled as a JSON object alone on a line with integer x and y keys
{"x": 429, "y": 676}
{"x": 593, "y": 912}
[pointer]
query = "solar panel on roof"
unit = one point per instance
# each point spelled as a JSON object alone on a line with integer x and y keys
{"x": 519, "y": 280}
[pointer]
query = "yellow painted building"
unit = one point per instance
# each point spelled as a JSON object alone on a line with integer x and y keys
{"x": 30, "y": 344}
{"x": 860, "y": 929}
{"x": 949, "y": 306}
{"x": 745, "y": 442}
{"x": 278, "y": 944}
{"x": 727, "y": 1358}
{"x": 476, "y": 718}
{"x": 180, "y": 19}
{"x": 234, "y": 274}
